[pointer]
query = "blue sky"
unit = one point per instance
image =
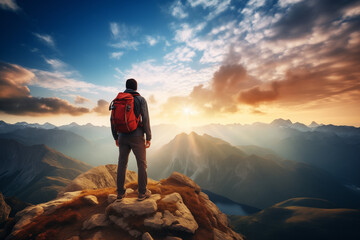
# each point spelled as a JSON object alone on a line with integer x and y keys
{"x": 196, "y": 61}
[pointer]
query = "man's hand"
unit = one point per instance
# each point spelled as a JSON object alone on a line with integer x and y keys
{"x": 117, "y": 142}
{"x": 147, "y": 143}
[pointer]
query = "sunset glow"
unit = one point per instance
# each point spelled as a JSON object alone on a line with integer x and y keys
{"x": 211, "y": 61}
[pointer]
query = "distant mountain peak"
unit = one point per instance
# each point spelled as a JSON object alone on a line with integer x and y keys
{"x": 281, "y": 122}
{"x": 73, "y": 124}
{"x": 313, "y": 124}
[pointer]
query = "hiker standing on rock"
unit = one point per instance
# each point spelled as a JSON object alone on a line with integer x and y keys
{"x": 129, "y": 121}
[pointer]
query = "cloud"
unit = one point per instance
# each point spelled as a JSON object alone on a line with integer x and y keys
{"x": 47, "y": 39}
{"x": 123, "y": 31}
{"x": 302, "y": 17}
{"x": 80, "y": 100}
{"x": 123, "y": 36}
{"x": 180, "y": 54}
{"x": 9, "y": 5}
{"x": 152, "y": 40}
{"x": 177, "y": 10}
{"x": 232, "y": 87}
{"x": 64, "y": 79}
{"x": 102, "y": 107}
{"x": 56, "y": 63}
{"x": 126, "y": 45}
{"x": 204, "y": 3}
{"x": 114, "y": 28}
{"x": 15, "y": 97}
{"x": 14, "y": 80}
{"x": 116, "y": 55}
{"x": 216, "y": 6}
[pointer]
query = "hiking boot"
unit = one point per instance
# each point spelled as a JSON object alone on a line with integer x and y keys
{"x": 143, "y": 196}
{"x": 121, "y": 196}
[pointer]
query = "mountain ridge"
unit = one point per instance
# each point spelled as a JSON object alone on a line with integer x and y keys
{"x": 35, "y": 173}
{"x": 250, "y": 179}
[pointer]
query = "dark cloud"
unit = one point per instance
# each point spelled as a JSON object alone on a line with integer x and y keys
{"x": 300, "y": 19}
{"x": 15, "y": 97}
{"x": 102, "y": 107}
{"x": 225, "y": 84}
{"x": 39, "y": 106}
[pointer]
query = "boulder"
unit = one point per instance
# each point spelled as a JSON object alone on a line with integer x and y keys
{"x": 97, "y": 236}
{"x": 91, "y": 199}
{"x": 96, "y": 220}
{"x": 111, "y": 198}
{"x": 132, "y": 207}
{"x": 154, "y": 222}
{"x": 181, "y": 220}
{"x": 120, "y": 222}
{"x": 98, "y": 177}
{"x": 185, "y": 180}
{"x": 4, "y": 210}
{"x": 50, "y": 207}
{"x": 146, "y": 236}
{"x": 25, "y": 216}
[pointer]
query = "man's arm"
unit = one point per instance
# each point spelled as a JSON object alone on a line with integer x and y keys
{"x": 113, "y": 131}
{"x": 145, "y": 119}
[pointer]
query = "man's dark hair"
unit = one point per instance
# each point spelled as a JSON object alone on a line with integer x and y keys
{"x": 131, "y": 83}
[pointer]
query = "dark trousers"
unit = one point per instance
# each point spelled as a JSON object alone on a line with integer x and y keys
{"x": 137, "y": 145}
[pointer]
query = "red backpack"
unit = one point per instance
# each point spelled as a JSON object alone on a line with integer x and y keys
{"x": 122, "y": 113}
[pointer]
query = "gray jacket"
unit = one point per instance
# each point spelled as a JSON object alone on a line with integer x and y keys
{"x": 140, "y": 107}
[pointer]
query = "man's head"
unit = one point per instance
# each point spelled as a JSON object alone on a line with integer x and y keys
{"x": 131, "y": 83}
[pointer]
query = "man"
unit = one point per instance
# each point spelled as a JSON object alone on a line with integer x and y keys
{"x": 134, "y": 141}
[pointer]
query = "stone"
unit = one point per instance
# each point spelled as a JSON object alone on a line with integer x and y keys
{"x": 172, "y": 238}
{"x": 111, "y": 198}
{"x": 155, "y": 221}
{"x": 4, "y": 209}
{"x": 51, "y": 206}
{"x": 96, "y": 220}
{"x": 146, "y": 236}
{"x": 120, "y": 222}
{"x": 183, "y": 220}
{"x": 132, "y": 207}
{"x": 91, "y": 199}
{"x": 185, "y": 180}
{"x": 97, "y": 236}
{"x": 135, "y": 233}
{"x": 25, "y": 216}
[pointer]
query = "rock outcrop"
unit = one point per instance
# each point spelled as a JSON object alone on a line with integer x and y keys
{"x": 177, "y": 209}
{"x": 98, "y": 177}
{"x": 4, "y": 209}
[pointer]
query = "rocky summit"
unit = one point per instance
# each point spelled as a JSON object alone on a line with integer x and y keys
{"x": 177, "y": 209}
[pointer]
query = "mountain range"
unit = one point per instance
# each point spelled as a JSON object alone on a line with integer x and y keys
{"x": 35, "y": 173}
{"x": 249, "y": 179}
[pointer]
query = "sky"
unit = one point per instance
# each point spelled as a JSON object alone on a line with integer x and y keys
{"x": 196, "y": 62}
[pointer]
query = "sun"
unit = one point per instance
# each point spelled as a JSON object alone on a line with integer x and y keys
{"x": 189, "y": 111}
